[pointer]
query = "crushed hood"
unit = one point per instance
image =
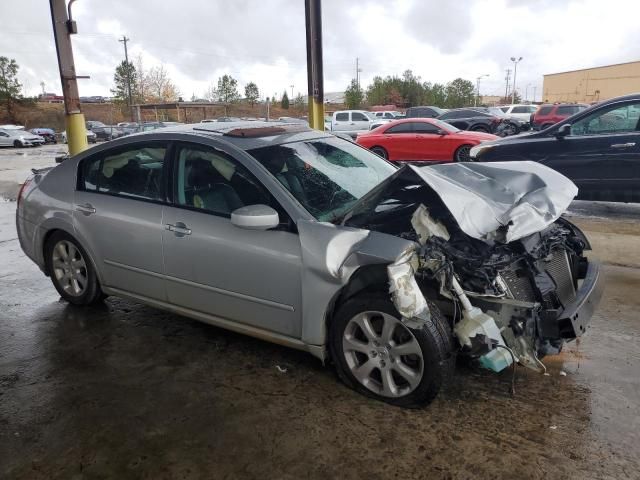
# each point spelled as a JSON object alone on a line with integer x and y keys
{"x": 493, "y": 201}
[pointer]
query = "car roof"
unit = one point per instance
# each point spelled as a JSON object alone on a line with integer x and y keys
{"x": 244, "y": 134}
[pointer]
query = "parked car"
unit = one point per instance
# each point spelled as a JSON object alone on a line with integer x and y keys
{"x": 388, "y": 114}
{"x": 509, "y": 125}
{"x": 421, "y": 139}
{"x": 597, "y": 148}
{"x": 48, "y": 134}
{"x": 91, "y": 136}
{"x": 424, "y": 112}
{"x": 297, "y": 237}
{"x": 19, "y": 138}
{"x": 351, "y": 121}
{"x": 473, "y": 119}
{"x": 547, "y": 115}
{"x": 520, "y": 111}
{"x": 104, "y": 132}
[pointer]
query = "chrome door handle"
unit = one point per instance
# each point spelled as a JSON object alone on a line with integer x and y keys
{"x": 623, "y": 145}
{"x": 179, "y": 229}
{"x": 87, "y": 209}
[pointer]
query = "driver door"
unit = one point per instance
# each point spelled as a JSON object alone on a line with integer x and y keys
{"x": 250, "y": 277}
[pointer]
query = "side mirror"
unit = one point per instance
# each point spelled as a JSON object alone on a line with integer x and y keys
{"x": 442, "y": 132}
{"x": 255, "y": 217}
{"x": 563, "y": 131}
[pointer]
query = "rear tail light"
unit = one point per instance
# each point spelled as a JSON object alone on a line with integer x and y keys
{"x": 23, "y": 189}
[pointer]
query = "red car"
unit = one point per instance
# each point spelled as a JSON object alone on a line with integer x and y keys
{"x": 548, "y": 115}
{"x": 422, "y": 139}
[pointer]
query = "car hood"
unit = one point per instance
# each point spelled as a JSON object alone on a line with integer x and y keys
{"x": 498, "y": 201}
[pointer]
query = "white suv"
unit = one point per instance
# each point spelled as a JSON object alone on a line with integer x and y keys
{"x": 521, "y": 112}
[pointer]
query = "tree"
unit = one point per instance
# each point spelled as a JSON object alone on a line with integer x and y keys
{"x": 353, "y": 95}
{"x": 9, "y": 86}
{"x": 376, "y": 91}
{"x": 251, "y": 93}
{"x": 161, "y": 88}
{"x": 142, "y": 90}
{"x": 284, "y": 103}
{"x": 227, "y": 90}
{"x": 460, "y": 93}
{"x": 125, "y": 72}
{"x": 298, "y": 102}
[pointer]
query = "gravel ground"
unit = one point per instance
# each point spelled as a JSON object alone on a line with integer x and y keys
{"x": 127, "y": 391}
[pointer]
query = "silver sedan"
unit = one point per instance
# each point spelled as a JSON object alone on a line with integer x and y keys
{"x": 304, "y": 239}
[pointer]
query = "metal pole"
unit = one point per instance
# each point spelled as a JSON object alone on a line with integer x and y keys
{"x": 534, "y": 93}
{"x": 63, "y": 27}
{"x": 126, "y": 59}
{"x": 313, "y": 17}
{"x": 506, "y": 88}
{"x": 515, "y": 71}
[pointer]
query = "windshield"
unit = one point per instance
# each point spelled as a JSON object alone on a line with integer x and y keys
{"x": 327, "y": 176}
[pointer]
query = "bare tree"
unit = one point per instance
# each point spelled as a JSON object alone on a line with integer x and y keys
{"x": 160, "y": 85}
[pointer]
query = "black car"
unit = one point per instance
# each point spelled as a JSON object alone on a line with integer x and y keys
{"x": 598, "y": 148}
{"x": 424, "y": 112}
{"x": 509, "y": 125}
{"x": 104, "y": 132}
{"x": 472, "y": 119}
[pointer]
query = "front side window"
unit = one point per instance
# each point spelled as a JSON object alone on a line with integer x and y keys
{"x": 423, "y": 127}
{"x": 210, "y": 180}
{"x": 359, "y": 117}
{"x": 615, "y": 120}
{"x": 133, "y": 171}
{"x": 327, "y": 176}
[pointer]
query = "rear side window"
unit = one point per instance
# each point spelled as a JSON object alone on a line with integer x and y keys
{"x": 568, "y": 109}
{"x": 400, "y": 128}
{"x": 544, "y": 110}
{"x": 134, "y": 171}
{"x": 521, "y": 110}
{"x": 342, "y": 117}
{"x": 359, "y": 117}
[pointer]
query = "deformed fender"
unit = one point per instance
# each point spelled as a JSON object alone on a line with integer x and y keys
{"x": 330, "y": 256}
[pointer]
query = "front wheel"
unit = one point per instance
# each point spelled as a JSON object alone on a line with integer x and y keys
{"x": 381, "y": 152}
{"x": 71, "y": 270}
{"x": 377, "y": 355}
{"x": 462, "y": 154}
{"x": 18, "y": 144}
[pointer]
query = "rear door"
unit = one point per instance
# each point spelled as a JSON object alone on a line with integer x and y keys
{"x": 602, "y": 153}
{"x": 118, "y": 215}
{"x": 398, "y": 142}
{"x": 244, "y": 276}
{"x": 428, "y": 144}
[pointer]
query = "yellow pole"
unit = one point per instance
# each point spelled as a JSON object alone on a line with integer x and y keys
{"x": 318, "y": 114}
{"x": 76, "y": 133}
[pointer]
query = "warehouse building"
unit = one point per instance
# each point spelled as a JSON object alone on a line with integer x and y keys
{"x": 592, "y": 84}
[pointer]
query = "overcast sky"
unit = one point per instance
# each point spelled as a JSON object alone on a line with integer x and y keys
{"x": 264, "y": 40}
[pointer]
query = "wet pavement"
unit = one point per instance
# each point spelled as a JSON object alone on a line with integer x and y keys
{"x": 127, "y": 391}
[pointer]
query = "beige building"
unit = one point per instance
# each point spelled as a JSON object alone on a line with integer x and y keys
{"x": 592, "y": 84}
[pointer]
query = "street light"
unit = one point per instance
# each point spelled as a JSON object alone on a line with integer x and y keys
{"x": 475, "y": 101}
{"x": 515, "y": 68}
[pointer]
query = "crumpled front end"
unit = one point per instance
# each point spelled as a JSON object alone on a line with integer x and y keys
{"x": 501, "y": 263}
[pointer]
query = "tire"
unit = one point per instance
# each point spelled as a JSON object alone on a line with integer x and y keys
{"x": 462, "y": 154}
{"x": 381, "y": 152}
{"x": 480, "y": 128}
{"x": 71, "y": 270}
{"x": 511, "y": 129}
{"x": 431, "y": 361}
{"x": 18, "y": 144}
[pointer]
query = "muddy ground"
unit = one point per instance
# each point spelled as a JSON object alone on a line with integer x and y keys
{"x": 127, "y": 391}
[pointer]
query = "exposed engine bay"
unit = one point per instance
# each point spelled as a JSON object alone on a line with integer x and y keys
{"x": 512, "y": 286}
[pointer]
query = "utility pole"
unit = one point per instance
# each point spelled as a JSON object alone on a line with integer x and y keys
{"x": 358, "y": 70}
{"x": 506, "y": 88}
{"x": 63, "y": 27}
{"x": 315, "y": 80}
{"x": 534, "y": 93}
{"x": 126, "y": 59}
{"x": 477, "y": 99}
{"x": 515, "y": 71}
{"x": 292, "y": 92}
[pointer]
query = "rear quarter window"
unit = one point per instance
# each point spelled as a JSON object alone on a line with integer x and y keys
{"x": 544, "y": 110}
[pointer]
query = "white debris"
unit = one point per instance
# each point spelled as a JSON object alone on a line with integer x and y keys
{"x": 553, "y": 427}
{"x": 405, "y": 293}
{"x": 563, "y": 373}
{"x": 425, "y": 226}
{"x": 281, "y": 369}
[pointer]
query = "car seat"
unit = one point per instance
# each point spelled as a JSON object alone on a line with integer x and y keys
{"x": 210, "y": 190}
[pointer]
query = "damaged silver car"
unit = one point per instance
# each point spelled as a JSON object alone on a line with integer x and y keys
{"x": 310, "y": 241}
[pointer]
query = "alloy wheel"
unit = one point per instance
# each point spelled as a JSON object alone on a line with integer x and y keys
{"x": 69, "y": 268}
{"x": 382, "y": 354}
{"x": 463, "y": 154}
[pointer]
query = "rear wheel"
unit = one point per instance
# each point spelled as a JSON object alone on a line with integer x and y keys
{"x": 462, "y": 154}
{"x": 377, "y": 355}
{"x": 71, "y": 270}
{"x": 380, "y": 152}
